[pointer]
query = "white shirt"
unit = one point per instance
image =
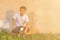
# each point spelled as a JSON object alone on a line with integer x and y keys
{"x": 21, "y": 20}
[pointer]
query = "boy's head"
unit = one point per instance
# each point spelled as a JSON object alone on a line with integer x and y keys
{"x": 22, "y": 10}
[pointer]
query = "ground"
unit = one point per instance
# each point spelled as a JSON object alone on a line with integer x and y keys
{"x": 41, "y": 36}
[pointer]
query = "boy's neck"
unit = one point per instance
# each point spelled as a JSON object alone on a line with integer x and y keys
{"x": 22, "y": 15}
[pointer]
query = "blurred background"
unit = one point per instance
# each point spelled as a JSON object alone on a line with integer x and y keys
{"x": 44, "y": 15}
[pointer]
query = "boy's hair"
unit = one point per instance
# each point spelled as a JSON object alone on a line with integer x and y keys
{"x": 22, "y": 7}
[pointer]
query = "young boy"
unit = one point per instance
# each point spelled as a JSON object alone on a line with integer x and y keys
{"x": 20, "y": 20}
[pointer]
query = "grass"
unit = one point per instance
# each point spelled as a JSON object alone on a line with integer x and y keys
{"x": 6, "y": 36}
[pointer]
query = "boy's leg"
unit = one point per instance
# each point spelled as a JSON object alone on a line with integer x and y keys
{"x": 26, "y": 30}
{"x": 16, "y": 30}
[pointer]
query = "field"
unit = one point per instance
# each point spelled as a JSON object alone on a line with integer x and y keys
{"x": 6, "y": 36}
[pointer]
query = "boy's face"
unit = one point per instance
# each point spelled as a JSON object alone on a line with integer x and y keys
{"x": 22, "y": 11}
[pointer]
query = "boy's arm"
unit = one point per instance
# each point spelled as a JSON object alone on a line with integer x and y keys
{"x": 14, "y": 23}
{"x": 27, "y": 25}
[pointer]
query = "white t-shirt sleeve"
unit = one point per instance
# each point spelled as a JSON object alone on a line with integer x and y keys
{"x": 27, "y": 19}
